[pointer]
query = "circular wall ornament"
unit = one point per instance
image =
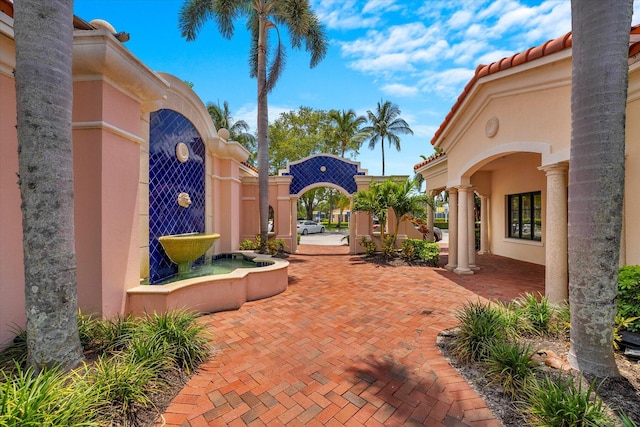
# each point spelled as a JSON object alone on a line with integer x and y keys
{"x": 182, "y": 152}
{"x": 323, "y": 168}
{"x": 491, "y": 128}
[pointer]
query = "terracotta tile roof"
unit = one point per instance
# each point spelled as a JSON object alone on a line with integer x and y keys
{"x": 429, "y": 159}
{"x": 6, "y": 6}
{"x": 548, "y": 48}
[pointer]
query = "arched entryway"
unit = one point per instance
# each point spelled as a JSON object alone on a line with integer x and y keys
{"x": 323, "y": 170}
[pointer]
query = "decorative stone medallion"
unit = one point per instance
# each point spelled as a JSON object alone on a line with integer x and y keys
{"x": 323, "y": 169}
{"x": 182, "y": 152}
{"x": 491, "y": 128}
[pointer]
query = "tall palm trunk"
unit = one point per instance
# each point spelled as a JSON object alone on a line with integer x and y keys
{"x": 44, "y": 41}
{"x": 263, "y": 125}
{"x": 382, "y": 145}
{"x": 596, "y": 177}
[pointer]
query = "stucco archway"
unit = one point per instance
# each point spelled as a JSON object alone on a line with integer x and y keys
{"x": 323, "y": 170}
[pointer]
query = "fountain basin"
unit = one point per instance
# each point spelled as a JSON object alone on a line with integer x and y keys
{"x": 185, "y": 248}
{"x": 209, "y": 294}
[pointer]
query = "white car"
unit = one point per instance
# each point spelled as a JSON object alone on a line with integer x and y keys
{"x": 308, "y": 227}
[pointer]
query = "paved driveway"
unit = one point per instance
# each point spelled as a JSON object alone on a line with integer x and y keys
{"x": 348, "y": 343}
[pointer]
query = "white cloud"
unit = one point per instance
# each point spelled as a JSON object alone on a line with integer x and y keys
{"x": 249, "y": 113}
{"x": 384, "y": 63}
{"x": 397, "y": 89}
{"x": 446, "y": 84}
{"x": 460, "y": 19}
{"x": 380, "y": 6}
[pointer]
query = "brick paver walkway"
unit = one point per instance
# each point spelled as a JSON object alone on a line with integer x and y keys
{"x": 348, "y": 343}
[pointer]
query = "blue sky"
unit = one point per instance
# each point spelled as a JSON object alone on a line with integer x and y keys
{"x": 417, "y": 54}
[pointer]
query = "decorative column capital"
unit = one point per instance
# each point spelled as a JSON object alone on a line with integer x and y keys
{"x": 555, "y": 169}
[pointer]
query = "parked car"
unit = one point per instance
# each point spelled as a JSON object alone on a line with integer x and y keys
{"x": 309, "y": 227}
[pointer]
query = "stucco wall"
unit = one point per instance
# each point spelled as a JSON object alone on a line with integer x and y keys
{"x": 632, "y": 184}
{"x": 11, "y": 266}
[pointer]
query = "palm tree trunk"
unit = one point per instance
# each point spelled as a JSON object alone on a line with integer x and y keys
{"x": 263, "y": 124}
{"x": 596, "y": 177}
{"x": 382, "y": 145}
{"x": 44, "y": 41}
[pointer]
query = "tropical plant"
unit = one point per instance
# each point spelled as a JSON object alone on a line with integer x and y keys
{"x": 562, "y": 403}
{"x": 481, "y": 326}
{"x": 368, "y": 245}
{"x": 600, "y": 58}
{"x": 629, "y": 295}
{"x": 305, "y": 31}
{"x": 386, "y": 123}
{"x": 423, "y": 250}
{"x": 44, "y": 43}
{"x": 348, "y": 131}
{"x": 537, "y": 311}
{"x": 342, "y": 202}
{"x": 50, "y": 398}
{"x": 511, "y": 365}
{"x": 238, "y": 130}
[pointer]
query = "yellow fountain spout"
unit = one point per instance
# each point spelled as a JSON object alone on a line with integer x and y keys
{"x": 183, "y": 249}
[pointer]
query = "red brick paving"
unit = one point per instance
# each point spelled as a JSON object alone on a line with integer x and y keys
{"x": 348, "y": 343}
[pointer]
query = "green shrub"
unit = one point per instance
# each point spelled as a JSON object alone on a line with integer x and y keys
{"x": 276, "y": 246}
{"x": 629, "y": 295}
{"x": 368, "y": 245}
{"x": 248, "y": 245}
{"x": 537, "y": 311}
{"x": 179, "y": 332}
{"x": 115, "y": 334}
{"x": 481, "y": 326}
{"x": 423, "y": 250}
{"x": 561, "y": 403}
{"x": 441, "y": 224}
{"x": 511, "y": 365}
{"x": 49, "y": 399}
{"x": 388, "y": 246}
{"x": 123, "y": 385}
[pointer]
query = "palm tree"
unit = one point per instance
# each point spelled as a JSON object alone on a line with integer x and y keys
{"x": 386, "y": 123}
{"x": 238, "y": 130}
{"x": 44, "y": 40}
{"x": 347, "y": 127}
{"x": 406, "y": 199}
{"x": 596, "y": 177}
{"x": 262, "y": 15}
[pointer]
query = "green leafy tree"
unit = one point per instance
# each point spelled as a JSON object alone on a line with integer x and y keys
{"x": 295, "y": 135}
{"x": 596, "y": 177}
{"x": 309, "y": 202}
{"x": 238, "y": 130}
{"x": 44, "y": 97}
{"x": 386, "y": 123}
{"x": 347, "y": 130}
{"x": 305, "y": 32}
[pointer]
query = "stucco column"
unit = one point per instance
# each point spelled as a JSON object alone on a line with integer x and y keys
{"x": 484, "y": 225}
{"x": 472, "y": 230}
{"x": 453, "y": 230}
{"x": 294, "y": 224}
{"x": 556, "y": 258}
{"x": 430, "y": 219}
{"x": 463, "y": 231}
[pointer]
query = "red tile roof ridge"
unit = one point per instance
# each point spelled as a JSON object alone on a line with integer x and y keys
{"x": 429, "y": 159}
{"x": 547, "y": 48}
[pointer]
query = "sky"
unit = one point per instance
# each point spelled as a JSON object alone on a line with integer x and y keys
{"x": 418, "y": 54}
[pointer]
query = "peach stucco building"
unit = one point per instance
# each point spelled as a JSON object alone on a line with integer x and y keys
{"x": 507, "y": 139}
{"x": 124, "y": 118}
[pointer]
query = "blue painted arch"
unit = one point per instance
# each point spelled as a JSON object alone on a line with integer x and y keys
{"x": 323, "y": 170}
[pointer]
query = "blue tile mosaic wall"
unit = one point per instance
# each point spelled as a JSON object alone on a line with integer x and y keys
{"x": 323, "y": 169}
{"x": 169, "y": 177}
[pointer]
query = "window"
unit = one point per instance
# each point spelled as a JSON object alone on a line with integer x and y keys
{"x": 525, "y": 216}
